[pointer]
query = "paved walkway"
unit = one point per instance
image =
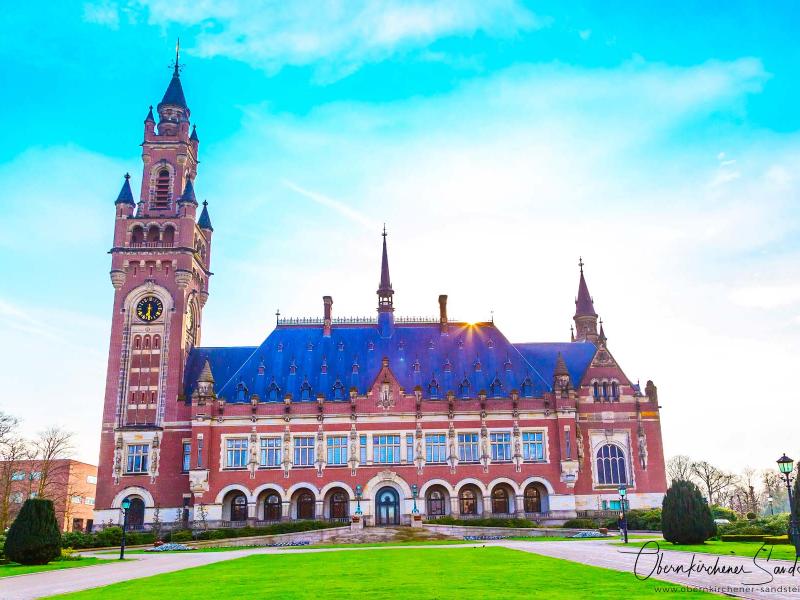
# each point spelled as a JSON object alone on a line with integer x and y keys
{"x": 746, "y": 583}
{"x": 597, "y": 553}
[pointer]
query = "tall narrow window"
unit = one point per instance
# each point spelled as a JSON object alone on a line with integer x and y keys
{"x": 611, "y": 468}
{"x": 362, "y": 453}
{"x": 596, "y": 391}
{"x": 199, "y": 453}
{"x": 386, "y": 449}
{"x": 568, "y": 444}
{"x": 410, "y": 448}
{"x": 162, "y": 194}
{"x": 187, "y": 455}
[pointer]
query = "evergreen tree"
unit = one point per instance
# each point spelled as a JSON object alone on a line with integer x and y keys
{"x": 796, "y": 498}
{"x": 685, "y": 515}
{"x": 34, "y": 538}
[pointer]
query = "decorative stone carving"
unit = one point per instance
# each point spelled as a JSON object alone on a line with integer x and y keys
{"x": 198, "y": 481}
{"x": 569, "y": 472}
{"x": 642, "y": 441}
{"x": 118, "y": 278}
{"x": 118, "y": 459}
{"x": 183, "y": 278}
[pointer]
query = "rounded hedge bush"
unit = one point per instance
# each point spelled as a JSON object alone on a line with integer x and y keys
{"x": 34, "y": 538}
{"x": 685, "y": 516}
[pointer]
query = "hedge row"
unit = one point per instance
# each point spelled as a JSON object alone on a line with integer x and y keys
{"x": 767, "y": 539}
{"x": 486, "y": 522}
{"x": 112, "y": 536}
{"x": 773, "y": 525}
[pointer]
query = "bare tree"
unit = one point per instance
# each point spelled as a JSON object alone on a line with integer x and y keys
{"x": 679, "y": 468}
{"x": 775, "y": 488}
{"x": 13, "y": 450}
{"x": 715, "y": 481}
{"x": 52, "y": 447}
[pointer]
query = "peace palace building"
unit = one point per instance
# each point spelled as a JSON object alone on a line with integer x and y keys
{"x": 329, "y": 408}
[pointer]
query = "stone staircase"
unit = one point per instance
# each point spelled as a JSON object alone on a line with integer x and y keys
{"x": 371, "y": 535}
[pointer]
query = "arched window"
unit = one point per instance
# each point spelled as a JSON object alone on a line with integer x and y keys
{"x": 161, "y": 199}
{"x": 156, "y": 342}
{"x": 596, "y": 391}
{"x": 339, "y": 505}
{"x": 272, "y": 508}
{"x": 305, "y": 506}
{"x": 239, "y": 508}
{"x": 463, "y": 388}
{"x": 605, "y": 391}
{"x": 499, "y": 501}
{"x": 468, "y": 502}
{"x": 169, "y": 235}
{"x": 611, "y": 465}
{"x": 338, "y": 390}
{"x": 137, "y": 235}
{"x": 614, "y": 391}
{"x": 153, "y": 234}
{"x": 241, "y": 392}
{"x": 533, "y": 500}
{"x": 137, "y": 342}
{"x": 147, "y": 342}
{"x": 436, "y": 504}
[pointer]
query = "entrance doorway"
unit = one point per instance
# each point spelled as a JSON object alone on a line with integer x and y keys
{"x": 388, "y": 503}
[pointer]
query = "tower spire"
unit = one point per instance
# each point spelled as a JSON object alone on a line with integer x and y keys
{"x": 585, "y": 314}
{"x": 385, "y": 295}
{"x": 177, "y": 71}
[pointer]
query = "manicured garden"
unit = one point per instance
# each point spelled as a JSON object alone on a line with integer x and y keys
{"x": 419, "y": 573}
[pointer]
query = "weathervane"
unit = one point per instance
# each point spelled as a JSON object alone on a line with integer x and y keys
{"x": 177, "y": 66}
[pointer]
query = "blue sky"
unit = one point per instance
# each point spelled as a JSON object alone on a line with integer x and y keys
{"x": 498, "y": 140}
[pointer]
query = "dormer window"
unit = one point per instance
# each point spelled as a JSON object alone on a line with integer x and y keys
{"x": 273, "y": 392}
{"x": 463, "y": 388}
{"x": 305, "y": 390}
{"x": 496, "y": 388}
{"x": 527, "y": 388}
{"x": 338, "y": 390}
{"x": 433, "y": 388}
{"x": 241, "y": 392}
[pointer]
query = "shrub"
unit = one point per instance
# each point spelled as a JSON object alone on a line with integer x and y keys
{"x": 110, "y": 536}
{"x": 772, "y": 525}
{"x": 2, "y": 546}
{"x": 580, "y": 524}
{"x": 484, "y": 522}
{"x": 33, "y": 538}
{"x": 751, "y": 516}
{"x": 643, "y": 519}
{"x": 685, "y": 516}
{"x": 720, "y": 512}
{"x": 776, "y": 539}
{"x": 183, "y": 535}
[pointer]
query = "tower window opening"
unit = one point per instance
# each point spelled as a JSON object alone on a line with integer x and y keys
{"x": 162, "y": 195}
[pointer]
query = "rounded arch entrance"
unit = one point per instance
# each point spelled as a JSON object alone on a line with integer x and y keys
{"x": 387, "y": 506}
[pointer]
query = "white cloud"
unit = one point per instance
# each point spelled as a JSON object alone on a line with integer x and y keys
{"x": 338, "y": 37}
{"x": 767, "y": 296}
{"x": 102, "y": 13}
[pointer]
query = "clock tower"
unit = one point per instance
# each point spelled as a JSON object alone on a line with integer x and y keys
{"x": 160, "y": 263}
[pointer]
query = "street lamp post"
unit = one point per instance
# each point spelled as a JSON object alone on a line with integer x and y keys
{"x": 769, "y": 501}
{"x": 414, "y": 490}
{"x": 623, "y": 491}
{"x": 126, "y": 504}
{"x": 786, "y": 466}
{"x": 358, "y": 500}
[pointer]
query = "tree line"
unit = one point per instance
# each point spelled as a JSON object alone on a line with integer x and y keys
{"x": 745, "y": 492}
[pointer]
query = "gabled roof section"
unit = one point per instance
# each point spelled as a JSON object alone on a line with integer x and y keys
{"x": 544, "y": 357}
{"x": 301, "y": 361}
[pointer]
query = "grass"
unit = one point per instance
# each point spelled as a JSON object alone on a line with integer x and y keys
{"x": 747, "y": 549}
{"x": 361, "y": 545}
{"x": 423, "y": 573}
{"x": 10, "y": 569}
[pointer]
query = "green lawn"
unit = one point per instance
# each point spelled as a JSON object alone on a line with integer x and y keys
{"x": 748, "y": 549}
{"x": 15, "y": 569}
{"x": 422, "y": 573}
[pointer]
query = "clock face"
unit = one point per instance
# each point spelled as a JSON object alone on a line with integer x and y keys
{"x": 149, "y": 308}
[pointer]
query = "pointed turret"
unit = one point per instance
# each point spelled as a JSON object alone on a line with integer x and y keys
{"x": 206, "y": 376}
{"x": 385, "y": 295}
{"x": 173, "y": 110}
{"x": 125, "y": 195}
{"x": 561, "y": 366}
{"x": 204, "y": 222}
{"x": 150, "y": 118}
{"x": 194, "y": 137}
{"x": 585, "y": 315}
{"x": 602, "y": 337}
{"x": 188, "y": 194}
{"x": 205, "y": 385}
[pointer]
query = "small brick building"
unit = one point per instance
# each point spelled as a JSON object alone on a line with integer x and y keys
{"x": 70, "y": 484}
{"x": 326, "y": 407}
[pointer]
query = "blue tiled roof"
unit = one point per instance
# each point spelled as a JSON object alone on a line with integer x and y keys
{"x": 543, "y": 356}
{"x": 125, "y": 195}
{"x": 174, "y": 94}
{"x": 301, "y": 361}
{"x": 224, "y": 363}
{"x": 204, "y": 222}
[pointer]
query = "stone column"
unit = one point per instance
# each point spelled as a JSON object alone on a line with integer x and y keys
{"x": 487, "y": 505}
{"x": 454, "y": 508}
{"x": 319, "y": 511}
{"x": 519, "y": 505}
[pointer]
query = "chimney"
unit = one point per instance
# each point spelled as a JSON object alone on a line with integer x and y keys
{"x": 443, "y": 313}
{"x": 327, "y": 321}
